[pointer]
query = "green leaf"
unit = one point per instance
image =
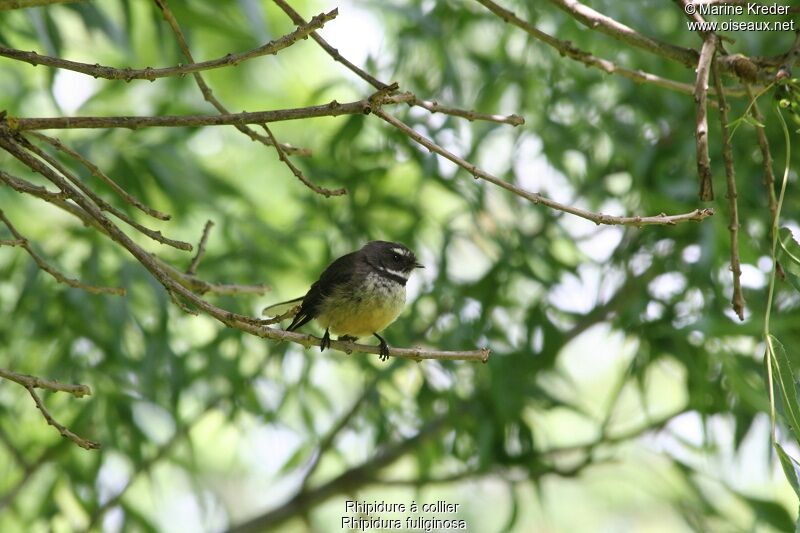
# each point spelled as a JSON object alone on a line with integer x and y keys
{"x": 791, "y": 468}
{"x": 789, "y": 256}
{"x": 787, "y": 385}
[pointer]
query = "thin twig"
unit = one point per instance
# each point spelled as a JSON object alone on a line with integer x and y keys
{"x": 149, "y": 73}
{"x": 622, "y": 33}
{"x": 208, "y": 95}
{"x": 737, "y": 300}
{"x": 7, "y": 5}
{"x": 570, "y": 50}
{"x": 102, "y": 204}
{"x": 598, "y": 218}
{"x": 435, "y": 107}
{"x": 333, "y": 52}
{"x": 192, "y": 283}
{"x": 201, "y": 249}
{"x": 65, "y": 432}
{"x": 28, "y": 381}
{"x": 26, "y": 187}
{"x": 701, "y": 117}
{"x": 201, "y": 286}
{"x": 766, "y": 154}
{"x": 229, "y": 318}
{"x": 13, "y": 242}
{"x": 327, "y": 193}
{"x": 409, "y": 98}
{"x": 95, "y": 170}
{"x": 331, "y": 109}
{"x": 58, "y": 276}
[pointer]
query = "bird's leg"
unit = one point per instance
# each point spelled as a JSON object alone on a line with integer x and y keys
{"x": 384, "y": 348}
{"x": 348, "y": 338}
{"x": 326, "y": 341}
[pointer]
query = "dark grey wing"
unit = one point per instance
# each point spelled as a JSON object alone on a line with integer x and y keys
{"x": 338, "y": 273}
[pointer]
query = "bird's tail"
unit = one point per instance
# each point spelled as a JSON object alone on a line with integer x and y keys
{"x": 283, "y": 309}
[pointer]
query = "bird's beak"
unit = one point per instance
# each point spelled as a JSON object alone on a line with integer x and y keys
{"x": 419, "y": 265}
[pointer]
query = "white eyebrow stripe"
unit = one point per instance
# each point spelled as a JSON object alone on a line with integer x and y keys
{"x": 404, "y": 275}
{"x": 401, "y": 251}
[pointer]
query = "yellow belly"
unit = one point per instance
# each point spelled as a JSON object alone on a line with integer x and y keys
{"x": 377, "y": 307}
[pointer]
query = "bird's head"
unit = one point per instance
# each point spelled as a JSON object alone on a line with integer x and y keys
{"x": 391, "y": 256}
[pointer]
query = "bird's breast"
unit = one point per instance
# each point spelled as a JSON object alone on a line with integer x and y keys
{"x": 359, "y": 310}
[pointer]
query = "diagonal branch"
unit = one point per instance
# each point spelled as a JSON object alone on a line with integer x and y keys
{"x": 607, "y": 25}
{"x": 30, "y": 383}
{"x": 149, "y": 73}
{"x": 201, "y": 249}
{"x": 206, "y": 90}
{"x": 598, "y": 218}
{"x": 433, "y": 107}
{"x": 95, "y": 170}
{"x": 570, "y": 50}
{"x": 65, "y": 432}
{"x": 333, "y": 52}
{"x": 58, "y": 276}
{"x": 737, "y": 301}
{"x": 701, "y": 117}
{"x": 177, "y": 290}
{"x": 766, "y": 155}
{"x": 102, "y": 204}
{"x": 327, "y": 193}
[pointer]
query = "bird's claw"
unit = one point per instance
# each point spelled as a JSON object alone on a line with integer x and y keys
{"x": 384, "y": 348}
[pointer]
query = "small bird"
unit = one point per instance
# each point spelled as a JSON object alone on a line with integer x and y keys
{"x": 358, "y": 295}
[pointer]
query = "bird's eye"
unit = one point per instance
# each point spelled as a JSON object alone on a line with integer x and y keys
{"x": 396, "y": 256}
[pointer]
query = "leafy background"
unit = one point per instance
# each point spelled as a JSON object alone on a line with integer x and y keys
{"x": 619, "y": 380}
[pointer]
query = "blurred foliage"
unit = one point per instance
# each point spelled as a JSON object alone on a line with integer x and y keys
{"x": 598, "y": 334}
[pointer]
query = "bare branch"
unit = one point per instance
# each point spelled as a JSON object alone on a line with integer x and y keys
{"x": 13, "y": 242}
{"x": 701, "y": 117}
{"x": 128, "y": 74}
{"x": 766, "y": 155}
{"x": 7, "y": 5}
{"x": 598, "y": 218}
{"x": 333, "y": 52}
{"x": 102, "y": 204}
{"x": 435, "y": 107}
{"x": 331, "y": 109}
{"x": 28, "y": 381}
{"x": 604, "y": 24}
{"x": 327, "y": 193}
{"x": 206, "y": 90}
{"x": 31, "y": 383}
{"x": 58, "y": 276}
{"x": 58, "y": 144}
{"x": 568, "y": 49}
{"x": 737, "y": 301}
{"x": 201, "y": 249}
{"x": 91, "y": 214}
{"x": 410, "y": 98}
